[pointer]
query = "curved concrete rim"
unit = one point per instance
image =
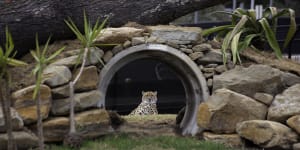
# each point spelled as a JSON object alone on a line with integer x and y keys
{"x": 190, "y": 75}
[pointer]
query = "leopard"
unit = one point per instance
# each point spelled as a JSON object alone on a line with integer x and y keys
{"x": 148, "y": 105}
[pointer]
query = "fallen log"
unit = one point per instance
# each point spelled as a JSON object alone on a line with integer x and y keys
{"x": 25, "y": 18}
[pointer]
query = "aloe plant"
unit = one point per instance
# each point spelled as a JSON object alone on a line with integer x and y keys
{"x": 41, "y": 62}
{"x": 6, "y": 60}
{"x": 87, "y": 40}
{"x": 248, "y": 31}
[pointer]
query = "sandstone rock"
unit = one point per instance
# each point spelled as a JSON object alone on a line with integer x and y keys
{"x": 92, "y": 124}
{"x": 231, "y": 140}
{"x": 126, "y": 44}
{"x": 178, "y": 35}
{"x": 208, "y": 70}
{"x": 196, "y": 55}
{"x": 186, "y": 50}
{"x": 117, "y": 49}
{"x": 290, "y": 79}
{"x": 107, "y": 56}
{"x": 251, "y": 80}
{"x": 267, "y": 134}
{"x": 210, "y": 83}
{"x": 174, "y": 45}
{"x": 61, "y": 92}
{"x": 17, "y": 122}
{"x": 137, "y": 40}
{"x": 211, "y": 57}
{"x": 285, "y": 105}
{"x": 152, "y": 39}
{"x": 24, "y": 140}
{"x": 296, "y": 146}
{"x": 93, "y": 58}
{"x": 26, "y": 106}
{"x": 208, "y": 75}
{"x": 211, "y": 65}
{"x": 202, "y": 47}
{"x": 220, "y": 69}
{"x": 225, "y": 108}
{"x": 294, "y": 123}
{"x": 82, "y": 101}
{"x": 264, "y": 98}
{"x": 118, "y": 35}
{"x": 88, "y": 79}
{"x": 56, "y": 75}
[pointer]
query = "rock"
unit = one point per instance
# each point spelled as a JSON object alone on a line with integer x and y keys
{"x": 225, "y": 108}
{"x": 127, "y": 44}
{"x": 16, "y": 120}
{"x": 107, "y": 56}
{"x": 220, "y": 69}
{"x": 211, "y": 65}
{"x": 196, "y": 55}
{"x": 290, "y": 79}
{"x": 202, "y": 47}
{"x": 115, "y": 119}
{"x": 296, "y": 146}
{"x": 294, "y": 123}
{"x": 56, "y": 75}
{"x": 118, "y": 35}
{"x": 208, "y": 75}
{"x": 174, "y": 45}
{"x": 210, "y": 83}
{"x": 178, "y": 35}
{"x": 208, "y": 70}
{"x": 186, "y": 50}
{"x": 211, "y": 57}
{"x": 231, "y": 140}
{"x": 267, "y": 134}
{"x": 264, "y": 98}
{"x": 61, "y": 92}
{"x": 92, "y": 124}
{"x": 251, "y": 80}
{"x": 82, "y": 101}
{"x": 137, "y": 41}
{"x": 285, "y": 105}
{"x": 117, "y": 49}
{"x": 26, "y": 106}
{"x": 23, "y": 140}
{"x": 93, "y": 59}
{"x": 88, "y": 79}
{"x": 151, "y": 39}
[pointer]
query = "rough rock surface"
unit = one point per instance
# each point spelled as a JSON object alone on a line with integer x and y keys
{"x": 248, "y": 81}
{"x": 118, "y": 35}
{"x": 225, "y": 108}
{"x": 17, "y": 122}
{"x": 57, "y": 75}
{"x": 92, "y": 123}
{"x": 82, "y": 101}
{"x": 178, "y": 35}
{"x": 26, "y": 106}
{"x": 290, "y": 79}
{"x": 24, "y": 140}
{"x": 231, "y": 140}
{"x": 202, "y": 47}
{"x": 294, "y": 122}
{"x": 267, "y": 134}
{"x": 211, "y": 57}
{"x": 285, "y": 105}
{"x": 88, "y": 79}
{"x": 61, "y": 92}
{"x": 264, "y": 98}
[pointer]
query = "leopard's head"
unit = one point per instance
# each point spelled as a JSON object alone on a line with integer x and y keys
{"x": 149, "y": 97}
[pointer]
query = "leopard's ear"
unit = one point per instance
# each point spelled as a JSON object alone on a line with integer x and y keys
{"x": 155, "y": 92}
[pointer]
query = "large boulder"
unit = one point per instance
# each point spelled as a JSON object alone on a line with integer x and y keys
{"x": 176, "y": 35}
{"x": 267, "y": 134}
{"x": 56, "y": 75}
{"x": 294, "y": 122}
{"x": 24, "y": 140}
{"x": 285, "y": 105}
{"x": 92, "y": 123}
{"x": 88, "y": 80}
{"x": 231, "y": 140}
{"x": 118, "y": 35}
{"x": 82, "y": 101}
{"x": 26, "y": 105}
{"x": 225, "y": 108}
{"x": 17, "y": 122}
{"x": 248, "y": 81}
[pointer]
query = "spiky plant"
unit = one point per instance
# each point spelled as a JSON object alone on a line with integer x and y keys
{"x": 41, "y": 62}
{"x": 87, "y": 40}
{"x": 6, "y": 60}
{"x": 248, "y": 31}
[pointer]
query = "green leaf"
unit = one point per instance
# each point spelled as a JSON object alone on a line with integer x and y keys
{"x": 14, "y": 62}
{"x": 216, "y": 29}
{"x": 247, "y": 40}
{"x": 57, "y": 52}
{"x": 224, "y": 52}
{"x": 292, "y": 29}
{"x": 234, "y": 46}
{"x": 270, "y": 35}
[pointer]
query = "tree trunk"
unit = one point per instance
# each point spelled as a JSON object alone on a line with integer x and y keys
{"x": 25, "y": 18}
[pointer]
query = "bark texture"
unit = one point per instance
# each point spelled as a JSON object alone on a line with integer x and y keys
{"x": 25, "y": 18}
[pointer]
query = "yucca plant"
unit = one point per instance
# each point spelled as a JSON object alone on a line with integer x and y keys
{"x": 248, "y": 31}
{"x": 41, "y": 62}
{"x": 6, "y": 60}
{"x": 87, "y": 40}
